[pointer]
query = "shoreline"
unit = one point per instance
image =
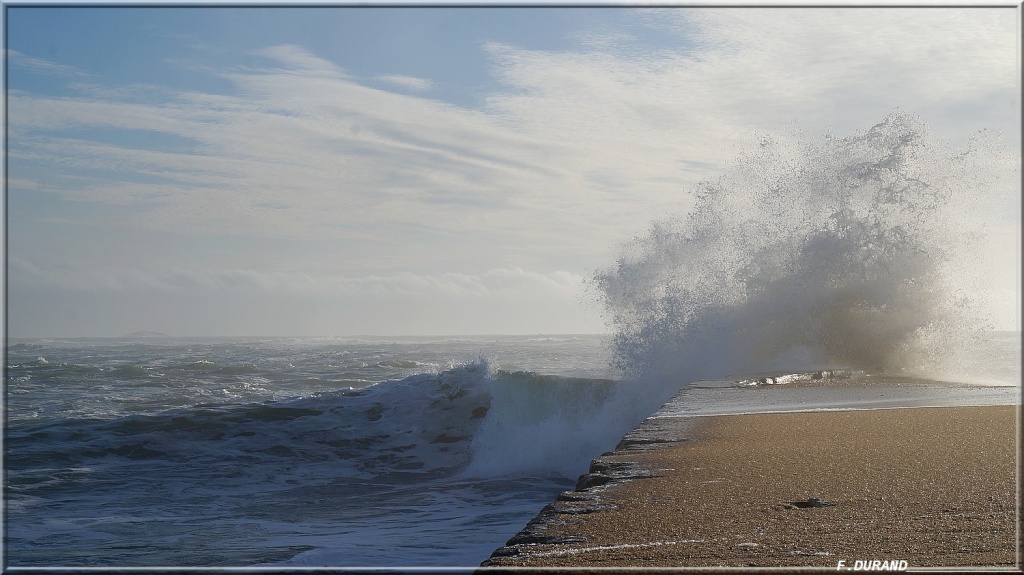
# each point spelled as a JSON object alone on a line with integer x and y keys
{"x": 934, "y": 486}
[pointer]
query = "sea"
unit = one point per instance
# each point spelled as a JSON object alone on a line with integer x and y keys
{"x": 313, "y": 452}
{"x": 808, "y": 255}
{"x": 413, "y": 451}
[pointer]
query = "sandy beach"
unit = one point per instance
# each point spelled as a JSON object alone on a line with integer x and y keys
{"x": 929, "y": 486}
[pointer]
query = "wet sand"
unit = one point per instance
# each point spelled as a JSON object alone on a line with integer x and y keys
{"x": 929, "y": 486}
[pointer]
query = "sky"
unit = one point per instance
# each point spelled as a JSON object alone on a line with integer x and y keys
{"x": 429, "y": 171}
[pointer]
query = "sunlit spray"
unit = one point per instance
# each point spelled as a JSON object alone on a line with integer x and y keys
{"x": 808, "y": 253}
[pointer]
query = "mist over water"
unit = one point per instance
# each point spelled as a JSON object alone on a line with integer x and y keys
{"x": 809, "y": 253}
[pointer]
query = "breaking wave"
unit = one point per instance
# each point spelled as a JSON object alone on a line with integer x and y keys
{"x": 470, "y": 420}
{"x": 807, "y": 254}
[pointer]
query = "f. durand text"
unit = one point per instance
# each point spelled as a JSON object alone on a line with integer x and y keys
{"x": 873, "y": 565}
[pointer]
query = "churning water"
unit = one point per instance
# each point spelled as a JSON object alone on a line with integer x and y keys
{"x": 298, "y": 451}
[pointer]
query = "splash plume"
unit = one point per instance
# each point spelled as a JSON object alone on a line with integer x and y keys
{"x": 805, "y": 254}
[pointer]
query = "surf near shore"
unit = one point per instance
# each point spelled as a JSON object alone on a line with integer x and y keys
{"x": 932, "y": 486}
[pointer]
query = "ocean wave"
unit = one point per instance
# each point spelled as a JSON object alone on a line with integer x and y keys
{"x": 470, "y": 419}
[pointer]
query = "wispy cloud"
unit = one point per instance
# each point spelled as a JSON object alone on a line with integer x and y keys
{"x": 573, "y": 149}
{"x": 41, "y": 66}
{"x": 296, "y": 58}
{"x": 343, "y": 155}
{"x": 407, "y": 82}
{"x": 90, "y": 279}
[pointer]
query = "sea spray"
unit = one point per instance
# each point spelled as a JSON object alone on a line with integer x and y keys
{"x": 806, "y": 254}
